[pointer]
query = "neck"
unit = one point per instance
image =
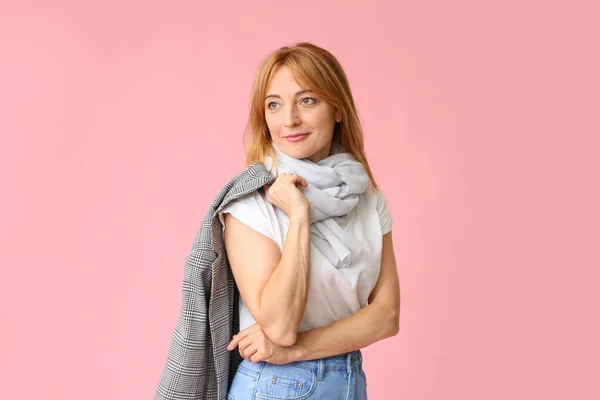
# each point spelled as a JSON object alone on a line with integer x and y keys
{"x": 321, "y": 154}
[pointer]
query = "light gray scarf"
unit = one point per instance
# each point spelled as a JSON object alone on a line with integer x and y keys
{"x": 333, "y": 188}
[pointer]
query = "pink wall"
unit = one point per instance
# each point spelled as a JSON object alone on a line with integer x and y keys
{"x": 120, "y": 123}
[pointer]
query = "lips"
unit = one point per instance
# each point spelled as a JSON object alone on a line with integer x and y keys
{"x": 296, "y": 137}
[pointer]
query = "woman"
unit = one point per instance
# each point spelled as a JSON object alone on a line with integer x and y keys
{"x": 315, "y": 248}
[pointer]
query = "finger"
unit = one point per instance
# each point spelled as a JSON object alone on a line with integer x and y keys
{"x": 248, "y": 352}
{"x": 257, "y": 357}
{"x": 234, "y": 342}
{"x": 264, "y": 351}
{"x": 251, "y": 341}
{"x": 297, "y": 179}
{"x": 236, "y": 339}
{"x": 302, "y": 181}
{"x": 244, "y": 343}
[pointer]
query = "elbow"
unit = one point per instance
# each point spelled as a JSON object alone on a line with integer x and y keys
{"x": 282, "y": 336}
{"x": 395, "y": 329}
{"x": 393, "y": 324}
{"x": 280, "y": 331}
{"x": 287, "y": 340}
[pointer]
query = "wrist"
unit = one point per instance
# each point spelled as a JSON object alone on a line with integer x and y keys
{"x": 300, "y": 214}
{"x": 296, "y": 353}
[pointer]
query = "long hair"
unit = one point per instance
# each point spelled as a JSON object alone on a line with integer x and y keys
{"x": 316, "y": 69}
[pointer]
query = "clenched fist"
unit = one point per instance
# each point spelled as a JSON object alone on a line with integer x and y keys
{"x": 286, "y": 194}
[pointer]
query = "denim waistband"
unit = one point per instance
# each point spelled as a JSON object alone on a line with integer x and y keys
{"x": 344, "y": 362}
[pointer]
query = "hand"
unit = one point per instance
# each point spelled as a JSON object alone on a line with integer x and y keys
{"x": 255, "y": 346}
{"x": 286, "y": 194}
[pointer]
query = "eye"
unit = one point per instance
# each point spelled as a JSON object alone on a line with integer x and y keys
{"x": 308, "y": 98}
{"x": 269, "y": 105}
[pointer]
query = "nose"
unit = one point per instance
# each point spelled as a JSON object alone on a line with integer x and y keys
{"x": 291, "y": 117}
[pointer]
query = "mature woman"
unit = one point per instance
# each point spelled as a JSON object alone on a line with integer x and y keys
{"x": 312, "y": 254}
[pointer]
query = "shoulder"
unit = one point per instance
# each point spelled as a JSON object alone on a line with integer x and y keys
{"x": 253, "y": 210}
{"x": 245, "y": 182}
{"x": 375, "y": 195}
{"x": 254, "y": 201}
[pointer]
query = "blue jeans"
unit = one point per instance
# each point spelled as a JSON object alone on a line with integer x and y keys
{"x": 333, "y": 378}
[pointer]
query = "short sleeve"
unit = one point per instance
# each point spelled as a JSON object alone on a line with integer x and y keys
{"x": 384, "y": 213}
{"x": 254, "y": 211}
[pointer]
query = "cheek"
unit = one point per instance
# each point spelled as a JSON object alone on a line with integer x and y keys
{"x": 321, "y": 119}
{"x": 272, "y": 122}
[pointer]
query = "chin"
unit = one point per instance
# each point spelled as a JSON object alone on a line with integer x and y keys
{"x": 297, "y": 151}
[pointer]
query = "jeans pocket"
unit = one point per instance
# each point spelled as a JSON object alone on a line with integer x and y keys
{"x": 285, "y": 382}
{"x": 244, "y": 382}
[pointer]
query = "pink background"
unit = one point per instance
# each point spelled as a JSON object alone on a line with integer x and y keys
{"x": 120, "y": 123}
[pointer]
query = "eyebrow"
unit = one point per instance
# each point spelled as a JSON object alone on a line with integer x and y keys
{"x": 297, "y": 94}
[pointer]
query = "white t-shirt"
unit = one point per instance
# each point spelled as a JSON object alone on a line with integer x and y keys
{"x": 333, "y": 293}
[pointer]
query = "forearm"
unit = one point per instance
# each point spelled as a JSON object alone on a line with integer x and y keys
{"x": 367, "y": 326}
{"x": 283, "y": 299}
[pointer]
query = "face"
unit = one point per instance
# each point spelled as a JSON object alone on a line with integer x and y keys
{"x": 301, "y": 123}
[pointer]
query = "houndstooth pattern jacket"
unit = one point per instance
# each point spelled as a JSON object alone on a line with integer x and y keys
{"x": 199, "y": 366}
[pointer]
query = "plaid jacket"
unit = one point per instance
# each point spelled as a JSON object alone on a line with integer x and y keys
{"x": 198, "y": 366}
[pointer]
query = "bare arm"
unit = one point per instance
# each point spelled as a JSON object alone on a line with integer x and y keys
{"x": 274, "y": 284}
{"x": 378, "y": 320}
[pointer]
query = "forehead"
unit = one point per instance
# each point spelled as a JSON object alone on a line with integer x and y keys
{"x": 282, "y": 80}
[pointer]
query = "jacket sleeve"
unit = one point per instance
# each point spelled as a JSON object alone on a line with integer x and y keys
{"x": 189, "y": 370}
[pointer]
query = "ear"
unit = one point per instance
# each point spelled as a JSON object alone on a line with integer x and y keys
{"x": 338, "y": 115}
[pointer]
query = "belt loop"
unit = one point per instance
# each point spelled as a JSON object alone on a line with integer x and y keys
{"x": 320, "y": 369}
{"x": 360, "y": 363}
{"x": 354, "y": 360}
